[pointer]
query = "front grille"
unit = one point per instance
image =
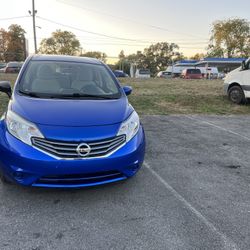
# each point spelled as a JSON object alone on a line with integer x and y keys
{"x": 80, "y": 179}
{"x": 68, "y": 150}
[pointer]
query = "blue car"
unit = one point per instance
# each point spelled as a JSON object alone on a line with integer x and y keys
{"x": 120, "y": 74}
{"x": 68, "y": 125}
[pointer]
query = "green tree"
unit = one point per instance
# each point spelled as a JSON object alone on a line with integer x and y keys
{"x": 3, "y": 44}
{"x": 122, "y": 55}
{"x": 198, "y": 56}
{"x": 96, "y": 54}
{"x": 125, "y": 62}
{"x": 156, "y": 57}
{"x": 159, "y": 56}
{"x": 12, "y": 44}
{"x": 178, "y": 57}
{"x": 60, "y": 43}
{"x": 138, "y": 59}
{"x": 215, "y": 51}
{"x": 230, "y": 38}
{"x": 122, "y": 61}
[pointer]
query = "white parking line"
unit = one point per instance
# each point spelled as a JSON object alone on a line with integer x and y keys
{"x": 218, "y": 127}
{"x": 228, "y": 243}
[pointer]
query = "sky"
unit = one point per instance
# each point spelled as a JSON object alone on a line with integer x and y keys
{"x": 112, "y": 25}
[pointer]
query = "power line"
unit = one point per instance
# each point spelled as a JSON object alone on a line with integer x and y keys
{"x": 103, "y": 39}
{"x": 135, "y": 45}
{"x": 140, "y": 43}
{"x": 87, "y": 41}
{"x": 115, "y": 44}
{"x": 186, "y": 41}
{"x": 146, "y": 42}
{"x": 98, "y": 34}
{"x": 10, "y": 18}
{"x": 125, "y": 44}
{"x": 87, "y": 31}
{"x": 130, "y": 20}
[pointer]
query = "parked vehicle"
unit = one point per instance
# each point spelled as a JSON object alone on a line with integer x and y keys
{"x": 120, "y": 73}
{"x": 237, "y": 83}
{"x": 211, "y": 72}
{"x": 191, "y": 74}
{"x": 142, "y": 73}
{"x": 164, "y": 74}
{"x": 69, "y": 125}
{"x": 221, "y": 75}
{"x": 12, "y": 67}
{"x": 2, "y": 65}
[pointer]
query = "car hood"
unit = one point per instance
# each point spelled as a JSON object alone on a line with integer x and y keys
{"x": 73, "y": 113}
{"x": 231, "y": 75}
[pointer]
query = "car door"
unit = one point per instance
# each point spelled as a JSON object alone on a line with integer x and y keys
{"x": 246, "y": 74}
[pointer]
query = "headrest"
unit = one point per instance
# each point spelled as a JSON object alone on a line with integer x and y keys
{"x": 85, "y": 74}
{"x": 45, "y": 72}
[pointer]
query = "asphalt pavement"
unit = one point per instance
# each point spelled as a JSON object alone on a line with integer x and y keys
{"x": 193, "y": 192}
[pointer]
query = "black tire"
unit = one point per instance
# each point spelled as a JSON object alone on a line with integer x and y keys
{"x": 4, "y": 180}
{"x": 236, "y": 95}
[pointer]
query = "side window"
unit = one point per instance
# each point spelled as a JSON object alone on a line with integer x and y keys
{"x": 107, "y": 82}
{"x": 97, "y": 79}
{"x": 30, "y": 76}
{"x": 248, "y": 64}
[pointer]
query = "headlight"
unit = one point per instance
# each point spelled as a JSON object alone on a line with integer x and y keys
{"x": 3, "y": 116}
{"x": 20, "y": 128}
{"x": 130, "y": 127}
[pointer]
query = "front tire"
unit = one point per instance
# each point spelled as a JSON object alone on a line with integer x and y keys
{"x": 4, "y": 180}
{"x": 236, "y": 95}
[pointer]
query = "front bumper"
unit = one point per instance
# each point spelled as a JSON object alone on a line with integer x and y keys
{"x": 27, "y": 166}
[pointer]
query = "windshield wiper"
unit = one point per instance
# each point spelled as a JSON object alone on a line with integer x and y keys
{"x": 77, "y": 95}
{"x": 66, "y": 96}
{"x": 36, "y": 95}
{"x": 31, "y": 94}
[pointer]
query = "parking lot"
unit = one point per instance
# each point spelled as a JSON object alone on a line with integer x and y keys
{"x": 192, "y": 193}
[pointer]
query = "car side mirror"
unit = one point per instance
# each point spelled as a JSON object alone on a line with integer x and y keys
{"x": 243, "y": 65}
{"x": 5, "y": 87}
{"x": 128, "y": 90}
{"x": 247, "y": 64}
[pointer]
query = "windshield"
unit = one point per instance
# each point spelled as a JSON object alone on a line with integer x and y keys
{"x": 193, "y": 71}
{"x": 67, "y": 80}
{"x": 144, "y": 72}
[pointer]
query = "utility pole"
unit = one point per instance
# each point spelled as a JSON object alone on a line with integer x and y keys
{"x": 33, "y": 14}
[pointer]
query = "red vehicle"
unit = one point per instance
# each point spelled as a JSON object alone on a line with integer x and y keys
{"x": 191, "y": 74}
{"x": 12, "y": 67}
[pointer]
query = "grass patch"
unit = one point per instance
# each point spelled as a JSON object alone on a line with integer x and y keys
{"x": 3, "y": 97}
{"x": 178, "y": 96}
{"x": 170, "y": 96}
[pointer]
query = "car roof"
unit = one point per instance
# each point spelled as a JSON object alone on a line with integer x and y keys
{"x": 61, "y": 58}
{"x": 145, "y": 69}
{"x": 14, "y": 63}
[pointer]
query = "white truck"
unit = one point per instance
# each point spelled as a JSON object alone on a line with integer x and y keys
{"x": 237, "y": 83}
